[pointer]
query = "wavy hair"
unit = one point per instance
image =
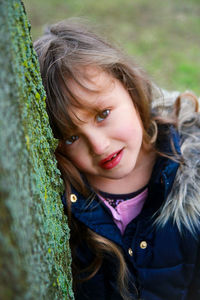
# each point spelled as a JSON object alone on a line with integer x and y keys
{"x": 64, "y": 51}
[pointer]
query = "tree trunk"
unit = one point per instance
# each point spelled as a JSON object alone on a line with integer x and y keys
{"x": 35, "y": 260}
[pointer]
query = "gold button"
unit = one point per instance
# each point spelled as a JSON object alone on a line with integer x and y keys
{"x": 73, "y": 198}
{"x": 130, "y": 252}
{"x": 143, "y": 245}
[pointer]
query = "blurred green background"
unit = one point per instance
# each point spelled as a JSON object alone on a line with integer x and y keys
{"x": 162, "y": 36}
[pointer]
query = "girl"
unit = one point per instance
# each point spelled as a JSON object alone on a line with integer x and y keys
{"x": 130, "y": 163}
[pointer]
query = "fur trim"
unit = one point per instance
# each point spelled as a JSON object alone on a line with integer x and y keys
{"x": 183, "y": 202}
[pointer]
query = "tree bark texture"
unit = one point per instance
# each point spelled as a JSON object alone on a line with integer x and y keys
{"x": 35, "y": 260}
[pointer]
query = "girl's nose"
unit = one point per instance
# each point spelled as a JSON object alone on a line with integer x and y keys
{"x": 98, "y": 142}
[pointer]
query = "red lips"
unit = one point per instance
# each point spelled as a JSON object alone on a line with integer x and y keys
{"x": 112, "y": 160}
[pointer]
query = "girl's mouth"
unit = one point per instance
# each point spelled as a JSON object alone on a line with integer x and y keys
{"x": 112, "y": 160}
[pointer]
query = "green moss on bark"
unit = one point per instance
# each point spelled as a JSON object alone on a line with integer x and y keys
{"x": 34, "y": 250}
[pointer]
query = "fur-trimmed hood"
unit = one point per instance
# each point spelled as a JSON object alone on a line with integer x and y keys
{"x": 183, "y": 202}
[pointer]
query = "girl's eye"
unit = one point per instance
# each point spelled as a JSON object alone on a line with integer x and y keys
{"x": 71, "y": 139}
{"x": 103, "y": 115}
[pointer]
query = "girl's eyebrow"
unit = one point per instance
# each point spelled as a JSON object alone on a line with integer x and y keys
{"x": 102, "y": 101}
{"x": 97, "y": 107}
{"x": 91, "y": 108}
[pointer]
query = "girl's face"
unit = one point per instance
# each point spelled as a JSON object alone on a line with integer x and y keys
{"x": 106, "y": 146}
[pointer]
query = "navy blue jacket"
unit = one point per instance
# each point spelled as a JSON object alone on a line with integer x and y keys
{"x": 163, "y": 263}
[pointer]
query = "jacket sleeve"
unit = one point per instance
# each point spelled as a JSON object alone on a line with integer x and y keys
{"x": 92, "y": 289}
{"x": 102, "y": 286}
{"x": 99, "y": 287}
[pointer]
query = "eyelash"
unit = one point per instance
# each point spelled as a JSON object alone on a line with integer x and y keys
{"x": 71, "y": 140}
{"x": 102, "y": 115}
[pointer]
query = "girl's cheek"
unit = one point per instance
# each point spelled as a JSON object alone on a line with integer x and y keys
{"x": 80, "y": 164}
{"x": 129, "y": 132}
{"x": 79, "y": 159}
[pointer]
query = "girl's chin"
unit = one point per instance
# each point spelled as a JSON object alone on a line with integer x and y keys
{"x": 110, "y": 178}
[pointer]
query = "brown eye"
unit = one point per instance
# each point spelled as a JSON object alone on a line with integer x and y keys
{"x": 102, "y": 115}
{"x": 71, "y": 139}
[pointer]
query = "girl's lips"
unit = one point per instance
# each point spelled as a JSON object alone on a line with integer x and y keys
{"x": 112, "y": 160}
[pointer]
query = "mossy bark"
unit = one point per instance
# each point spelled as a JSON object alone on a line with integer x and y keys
{"x": 35, "y": 258}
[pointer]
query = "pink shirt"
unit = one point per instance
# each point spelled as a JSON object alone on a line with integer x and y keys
{"x": 127, "y": 210}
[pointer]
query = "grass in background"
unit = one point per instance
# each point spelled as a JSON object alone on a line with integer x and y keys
{"x": 163, "y": 36}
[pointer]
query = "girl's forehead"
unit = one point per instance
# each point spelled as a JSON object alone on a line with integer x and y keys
{"x": 92, "y": 86}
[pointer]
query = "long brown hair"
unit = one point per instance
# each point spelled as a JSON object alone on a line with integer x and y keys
{"x": 64, "y": 51}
